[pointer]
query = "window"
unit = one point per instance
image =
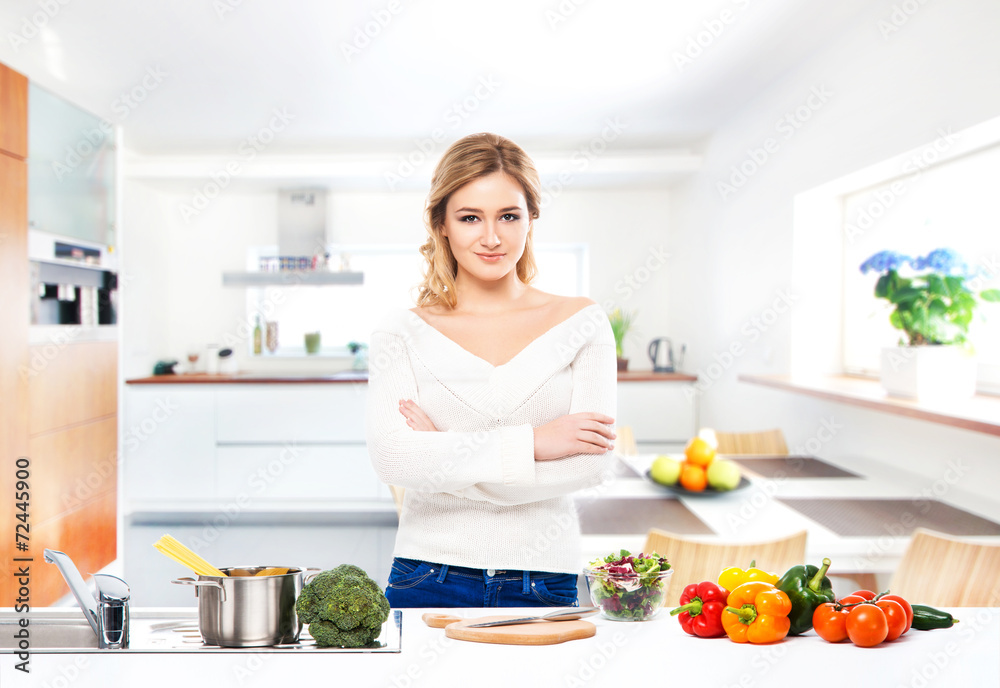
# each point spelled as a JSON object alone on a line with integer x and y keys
{"x": 949, "y": 204}
{"x": 343, "y": 314}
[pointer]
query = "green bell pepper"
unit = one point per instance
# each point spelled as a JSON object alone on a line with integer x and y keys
{"x": 807, "y": 588}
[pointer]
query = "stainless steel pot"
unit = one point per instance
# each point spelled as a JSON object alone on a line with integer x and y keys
{"x": 249, "y": 611}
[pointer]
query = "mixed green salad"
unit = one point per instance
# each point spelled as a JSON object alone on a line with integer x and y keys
{"x": 629, "y": 587}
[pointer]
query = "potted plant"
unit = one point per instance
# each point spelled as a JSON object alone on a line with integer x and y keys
{"x": 933, "y": 303}
{"x": 621, "y": 323}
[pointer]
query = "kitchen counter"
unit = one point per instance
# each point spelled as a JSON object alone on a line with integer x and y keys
{"x": 248, "y": 378}
{"x": 257, "y": 378}
{"x": 965, "y": 655}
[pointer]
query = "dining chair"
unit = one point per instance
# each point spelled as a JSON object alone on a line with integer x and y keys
{"x": 397, "y": 498}
{"x": 625, "y": 441}
{"x": 942, "y": 570}
{"x": 765, "y": 442}
{"x": 694, "y": 561}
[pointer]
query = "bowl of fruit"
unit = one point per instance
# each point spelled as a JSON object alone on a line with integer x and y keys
{"x": 699, "y": 472}
{"x": 629, "y": 587}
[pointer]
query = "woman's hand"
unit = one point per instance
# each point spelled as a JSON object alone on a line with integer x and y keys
{"x": 576, "y": 433}
{"x": 415, "y": 416}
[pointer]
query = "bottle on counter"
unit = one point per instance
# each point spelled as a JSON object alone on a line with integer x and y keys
{"x": 258, "y": 337}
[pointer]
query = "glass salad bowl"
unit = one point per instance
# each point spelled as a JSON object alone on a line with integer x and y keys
{"x": 629, "y": 587}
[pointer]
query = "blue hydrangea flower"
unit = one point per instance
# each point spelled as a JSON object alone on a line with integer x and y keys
{"x": 883, "y": 261}
{"x": 942, "y": 260}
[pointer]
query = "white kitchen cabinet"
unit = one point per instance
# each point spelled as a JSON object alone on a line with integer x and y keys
{"x": 265, "y": 473}
{"x": 199, "y": 443}
{"x": 663, "y": 415}
{"x": 291, "y": 413}
{"x": 168, "y": 443}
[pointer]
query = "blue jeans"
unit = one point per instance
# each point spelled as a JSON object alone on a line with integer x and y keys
{"x": 415, "y": 583}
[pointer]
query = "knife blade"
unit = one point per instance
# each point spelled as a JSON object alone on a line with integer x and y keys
{"x": 562, "y": 615}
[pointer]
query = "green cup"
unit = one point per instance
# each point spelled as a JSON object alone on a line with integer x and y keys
{"x": 312, "y": 342}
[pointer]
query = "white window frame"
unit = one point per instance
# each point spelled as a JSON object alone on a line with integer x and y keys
{"x": 819, "y": 237}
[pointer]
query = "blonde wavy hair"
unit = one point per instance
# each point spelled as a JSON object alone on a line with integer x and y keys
{"x": 468, "y": 159}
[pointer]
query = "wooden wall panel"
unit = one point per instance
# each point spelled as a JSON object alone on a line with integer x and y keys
{"x": 75, "y": 466}
{"x": 14, "y": 109}
{"x": 14, "y": 315}
{"x": 58, "y": 401}
{"x": 71, "y": 383}
{"x": 87, "y": 535}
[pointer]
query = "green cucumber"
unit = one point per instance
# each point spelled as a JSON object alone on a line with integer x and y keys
{"x": 928, "y": 618}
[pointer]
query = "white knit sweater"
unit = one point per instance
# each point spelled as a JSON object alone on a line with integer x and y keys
{"x": 475, "y": 496}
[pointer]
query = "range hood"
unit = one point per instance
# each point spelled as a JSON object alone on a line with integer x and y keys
{"x": 301, "y": 233}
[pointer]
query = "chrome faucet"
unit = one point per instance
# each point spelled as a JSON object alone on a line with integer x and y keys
{"x": 107, "y": 613}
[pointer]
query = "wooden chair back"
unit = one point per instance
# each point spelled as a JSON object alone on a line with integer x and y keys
{"x": 695, "y": 561}
{"x": 765, "y": 442}
{"x": 625, "y": 441}
{"x": 941, "y": 570}
{"x": 397, "y": 497}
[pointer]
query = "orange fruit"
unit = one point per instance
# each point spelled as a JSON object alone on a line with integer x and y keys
{"x": 693, "y": 477}
{"x": 699, "y": 452}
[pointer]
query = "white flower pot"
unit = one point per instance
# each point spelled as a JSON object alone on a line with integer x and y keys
{"x": 928, "y": 373}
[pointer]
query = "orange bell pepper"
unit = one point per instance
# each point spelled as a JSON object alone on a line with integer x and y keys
{"x": 735, "y": 576}
{"x": 757, "y": 612}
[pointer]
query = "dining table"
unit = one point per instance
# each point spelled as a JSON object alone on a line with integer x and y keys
{"x": 857, "y": 512}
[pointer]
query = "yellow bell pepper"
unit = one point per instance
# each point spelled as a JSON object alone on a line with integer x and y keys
{"x": 734, "y": 576}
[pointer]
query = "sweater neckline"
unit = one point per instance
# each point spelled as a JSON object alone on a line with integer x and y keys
{"x": 513, "y": 358}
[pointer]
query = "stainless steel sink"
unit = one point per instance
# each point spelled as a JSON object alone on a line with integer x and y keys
{"x": 49, "y": 632}
{"x": 63, "y": 630}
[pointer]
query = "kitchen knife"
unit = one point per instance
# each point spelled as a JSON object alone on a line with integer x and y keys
{"x": 561, "y": 615}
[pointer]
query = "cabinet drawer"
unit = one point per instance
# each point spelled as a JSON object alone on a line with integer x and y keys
{"x": 264, "y": 473}
{"x": 168, "y": 441}
{"x": 291, "y": 413}
{"x": 657, "y": 412}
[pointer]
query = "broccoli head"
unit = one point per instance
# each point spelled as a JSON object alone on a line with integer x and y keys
{"x": 343, "y": 607}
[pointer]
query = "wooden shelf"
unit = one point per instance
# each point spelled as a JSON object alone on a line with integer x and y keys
{"x": 979, "y": 414}
{"x": 650, "y": 376}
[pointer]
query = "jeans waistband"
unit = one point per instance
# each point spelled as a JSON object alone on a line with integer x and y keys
{"x": 489, "y": 575}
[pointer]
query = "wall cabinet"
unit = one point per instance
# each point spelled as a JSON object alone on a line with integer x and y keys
{"x": 71, "y": 169}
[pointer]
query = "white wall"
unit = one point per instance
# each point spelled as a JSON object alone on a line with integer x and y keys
{"x": 174, "y": 299}
{"x": 881, "y": 96}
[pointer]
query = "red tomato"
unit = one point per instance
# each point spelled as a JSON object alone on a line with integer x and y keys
{"x": 867, "y": 625}
{"x": 895, "y": 617}
{"x": 830, "y": 623}
{"x": 906, "y": 607}
{"x": 867, "y": 594}
{"x": 851, "y": 599}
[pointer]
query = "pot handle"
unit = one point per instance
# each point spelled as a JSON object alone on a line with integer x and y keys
{"x": 310, "y": 573}
{"x": 201, "y": 583}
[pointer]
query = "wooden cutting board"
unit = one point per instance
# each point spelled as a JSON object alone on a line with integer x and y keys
{"x": 532, "y": 633}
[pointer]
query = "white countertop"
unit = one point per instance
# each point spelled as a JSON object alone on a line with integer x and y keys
{"x": 965, "y": 656}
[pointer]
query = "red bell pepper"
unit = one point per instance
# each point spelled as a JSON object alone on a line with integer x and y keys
{"x": 701, "y": 609}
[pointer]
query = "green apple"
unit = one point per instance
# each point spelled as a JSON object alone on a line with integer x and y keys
{"x": 665, "y": 470}
{"x": 723, "y": 475}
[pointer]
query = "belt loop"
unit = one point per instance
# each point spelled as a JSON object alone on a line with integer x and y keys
{"x": 525, "y": 589}
{"x": 444, "y": 572}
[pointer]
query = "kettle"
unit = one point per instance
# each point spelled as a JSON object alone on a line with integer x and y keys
{"x": 661, "y": 353}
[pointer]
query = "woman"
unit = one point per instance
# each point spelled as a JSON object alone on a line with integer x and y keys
{"x": 490, "y": 402}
